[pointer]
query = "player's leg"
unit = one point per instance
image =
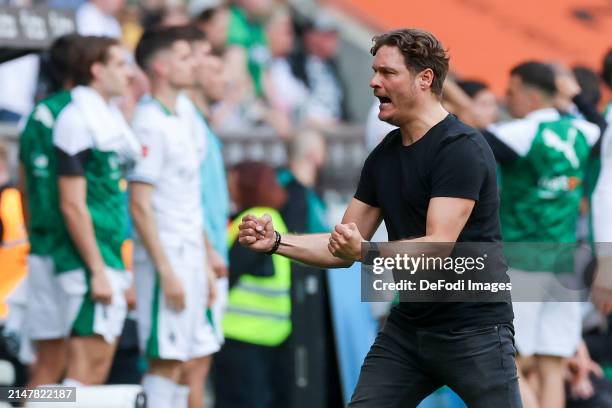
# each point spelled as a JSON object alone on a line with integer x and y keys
{"x": 89, "y": 359}
{"x": 552, "y": 383}
{"x": 525, "y": 367}
{"x": 202, "y": 339}
{"x": 391, "y": 376}
{"x": 195, "y": 373}
{"x": 45, "y": 318}
{"x": 558, "y": 339}
{"x": 163, "y": 334}
{"x": 94, "y": 327}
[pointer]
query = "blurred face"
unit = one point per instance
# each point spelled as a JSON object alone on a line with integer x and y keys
{"x": 177, "y": 65}
{"x": 110, "y": 7}
{"x": 280, "y": 36}
{"x": 216, "y": 29}
{"x": 113, "y": 77}
{"x": 486, "y": 109}
{"x": 208, "y": 71}
{"x": 394, "y": 85}
{"x": 518, "y": 97}
{"x": 256, "y": 8}
{"x": 322, "y": 44}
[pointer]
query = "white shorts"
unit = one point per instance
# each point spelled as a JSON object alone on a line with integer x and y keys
{"x": 163, "y": 332}
{"x": 46, "y": 306}
{"x": 86, "y": 318}
{"x": 545, "y": 328}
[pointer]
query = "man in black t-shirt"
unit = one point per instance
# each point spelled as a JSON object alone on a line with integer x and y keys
{"x": 432, "y": 180}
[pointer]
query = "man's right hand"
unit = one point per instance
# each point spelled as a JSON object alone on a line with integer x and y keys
{"x": 101, "y": 290}
{"x": 257, "y": 233}
{"x": 173, "y": 291}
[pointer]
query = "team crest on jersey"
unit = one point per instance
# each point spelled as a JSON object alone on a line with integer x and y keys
{"x": 44, "y": 116}
{"x": 40, "y": 161}
{"x": 145, "y": 150}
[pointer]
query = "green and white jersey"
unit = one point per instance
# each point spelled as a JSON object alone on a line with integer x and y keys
{"x": 93, "y": 141}
{"x": 541, "y": 190}
{"x": 36, "y": 154}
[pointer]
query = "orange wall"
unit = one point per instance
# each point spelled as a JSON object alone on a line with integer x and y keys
{"x": 487, "y": 37}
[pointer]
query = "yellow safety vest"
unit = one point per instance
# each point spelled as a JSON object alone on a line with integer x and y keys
{"x": 14, "y": 248}
{"x": 259, "y": 308}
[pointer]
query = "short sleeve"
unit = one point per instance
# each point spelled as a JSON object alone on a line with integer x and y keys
{"x": 73, "y": 143}
{"x": 459, "y": 169}
{"x": 149, "y": 165}
{"x": 366, "y": 190}
{"x": 517, "y": 135}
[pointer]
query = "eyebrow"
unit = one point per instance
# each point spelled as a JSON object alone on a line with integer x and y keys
{"x": 383, "y": 68}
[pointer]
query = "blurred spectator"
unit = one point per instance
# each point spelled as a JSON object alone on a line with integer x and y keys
{"x": 246, "y": 30}
{"x": 316, "y": 68}
{"x": 589, "y": 84}
{"x": 98, "y": 17}
{"x": 254, "y": 367}
{"x": 17, "y": 96}
{"x": 287, "y": 93}
{"x": 169, "y": 14}
{"x": 376, "y": 129}
{"x": 214, "y": 21}
{"x": 304, "y": 211}
{"x": 606, "y": 70}
{"x": 484, "y": 103}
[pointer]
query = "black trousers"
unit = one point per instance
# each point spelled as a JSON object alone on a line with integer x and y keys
{"x": 405, "y": 366}
{"x": 250, "y": 376}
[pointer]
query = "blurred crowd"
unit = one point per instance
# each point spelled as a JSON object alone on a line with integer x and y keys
{"x": 134, "y": 103}
{"x": 253, "y": 40}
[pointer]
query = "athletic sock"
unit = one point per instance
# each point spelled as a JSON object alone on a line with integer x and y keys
{"x": 181, "y": 396}
{"x": 160, "y": 391}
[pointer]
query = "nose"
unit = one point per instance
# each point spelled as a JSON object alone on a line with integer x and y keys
{"x": 375, "y": 81}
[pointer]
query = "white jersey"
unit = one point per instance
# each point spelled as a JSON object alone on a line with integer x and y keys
{"x": 172, "y": 152}
{"x": 602, "y": 195}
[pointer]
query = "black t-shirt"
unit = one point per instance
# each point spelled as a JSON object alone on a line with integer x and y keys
{"x": 450, "y": 160}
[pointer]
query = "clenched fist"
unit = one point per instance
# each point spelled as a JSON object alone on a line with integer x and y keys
{"x": 257, "y": 233}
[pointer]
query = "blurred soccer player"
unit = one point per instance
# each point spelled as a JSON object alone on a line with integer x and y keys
{"x": 92, "y": 143}
{"x": 46, "y": 308}
{"x": 172, "y": 282}
{"x": 543, "y": 157}
{"x": 208, "y": 87}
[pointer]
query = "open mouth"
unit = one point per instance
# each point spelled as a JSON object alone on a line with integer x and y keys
{"x": 384, "y": 99}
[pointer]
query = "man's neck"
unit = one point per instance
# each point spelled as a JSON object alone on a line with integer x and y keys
{"x": 166, "y": 95}
{"x": 421, "y": 120}
{"x": 199, "y": 100}
{"x": 100, "y": 91}
{"x": 305, "y": 173}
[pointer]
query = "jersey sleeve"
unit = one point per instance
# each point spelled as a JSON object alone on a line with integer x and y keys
{"x": 149, "y": 165}
{"x": 73, "y": 143}
{"x": 516, "y": 135}
{"x": 366, "y": 189}
{"x": 459, "y": 170}
{"x": 590, "y": 130}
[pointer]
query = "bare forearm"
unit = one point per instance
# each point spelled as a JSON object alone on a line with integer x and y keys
{"x": 81, "y": 231}
{"x": 144, "y": 222}
{"x": 310, "y": 249}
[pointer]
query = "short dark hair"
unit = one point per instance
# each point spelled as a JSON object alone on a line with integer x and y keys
{"x": 207, "y": 14}
{"x": 606, "y": 69}
{"x": 421, "y": 50}
{"x": 191, "y": 33}
{"x": 94, "y": 49}
{"x": 536, "y": 74}
{"x": 156, "y": 40}
{"x": 472, "y": 87}
{"x": 589, "y": 84}
{"x": 63, "y": 56}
